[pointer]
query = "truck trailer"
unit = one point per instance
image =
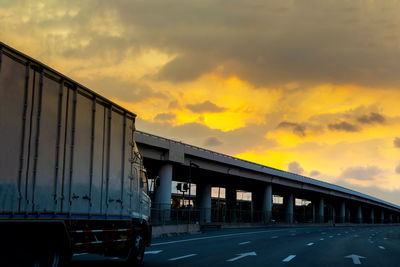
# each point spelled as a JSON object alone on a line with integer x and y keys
{"x": 71, "y": 177}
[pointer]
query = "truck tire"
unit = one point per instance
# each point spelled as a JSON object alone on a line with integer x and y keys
{"x": 136, "y": 252}
{"x": 50, "y": 253}
{"x": 26, "y": 243}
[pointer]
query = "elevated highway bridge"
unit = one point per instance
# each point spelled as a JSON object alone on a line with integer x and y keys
{"x": 170, "y": 160}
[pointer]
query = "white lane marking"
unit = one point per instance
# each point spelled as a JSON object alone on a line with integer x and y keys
{"x": 79, "y": 254}
{"x": 274, "y": 236}
{"x": 242, "y": 255}
{"x": 322, "y": 239}
{"x": 182, "y": 257}
{"x": 381, "y": 247}
{"x": 339, "y": 234}
{"x": 330, "y": 236}
{"x": 115, "y": 258}
{"x": 288, "y": 258}
{"x": 293, "y": 234}
{"x": 385, "y": 238}
{"x": 346, "y": 232}
{"x": 310, "y": 244}
{"x": 217, "y": 236}
{"x": 356, "y": 236}
{"x": 153, "y": 252}
{"x": 355, "y": 258}
{"x": 244, "y": 243}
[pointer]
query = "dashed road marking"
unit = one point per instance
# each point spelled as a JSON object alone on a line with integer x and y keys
{"x": 244, "y": 243}
{"x": 381, "y": 247}
{"x": 310, "y": 244}
{"x": 182, "y": 257}
{"x": 274, "y": 236}
{"x": 322, "y": 239}
{"x": 288, "y": 258}
{"x": 385, "y": 238}
{"x": 217, "y": 236}
{"x": 80, "y": 254}
{"x": 330, "y": 236}
{"x": 242, "y": 255}
{"x": 153, "y": 252}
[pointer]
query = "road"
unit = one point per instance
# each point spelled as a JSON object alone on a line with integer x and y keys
{"x": 308, "y": 246}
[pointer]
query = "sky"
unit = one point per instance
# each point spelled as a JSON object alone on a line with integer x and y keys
{"x": 312, "y": 87}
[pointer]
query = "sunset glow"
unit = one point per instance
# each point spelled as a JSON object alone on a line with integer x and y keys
{"x": 292, "y": 85}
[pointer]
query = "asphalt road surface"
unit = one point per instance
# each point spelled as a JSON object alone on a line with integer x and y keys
{"x": 308, "y": 246}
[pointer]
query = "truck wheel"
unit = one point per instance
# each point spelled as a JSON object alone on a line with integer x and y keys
{"x": 50, "y": 255}
{"x": 136, "y": 253}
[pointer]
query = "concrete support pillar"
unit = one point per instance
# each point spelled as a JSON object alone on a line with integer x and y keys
{"x": 257, "y": 199}
{"x": 267, "y": 204}
{"x": 313, "y": 213}
{"x": 288, "y": 203}
{"x": 382, "y": 217}
{"x": 342, "y": 214}
{"x": 321, "y": 211}
{"x": 372, "y": 216}
{"x": 203, "y": 201}
{"x": 359, "y": 214}
{"x": 333, "y": 214}
{"x": 162, "y": 200}
{"x": 348, "y": 215}
{"x": 390, "y": 218}
{"x": 230, "y": 204}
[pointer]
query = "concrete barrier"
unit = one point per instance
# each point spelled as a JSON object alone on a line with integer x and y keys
{"x": 174, "y": 230}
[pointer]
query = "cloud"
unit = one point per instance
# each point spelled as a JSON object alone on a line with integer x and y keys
{"x": 362, "y": 173}
{"x": 298, "y": 129}
{"x": 295, "y": 167}
{"x": 124, "y": 90}
{"x": 185, "y": 68}
{"x": 212, "y": 141}
{"x": 165, "y": 116}
{"x": 371, "y": 118}
{"x": 343, "y": 126}
{"x": 397, "y": 169}
{"x": 206, "y": 106}
{"x": 314, "y": 173}
{"x": 391, "y": 196}
{"x": 234, "y": 141}
{"x": 312, "y": 43}
{"x": 396, "y": 142}
{"x": 174, "y": 104}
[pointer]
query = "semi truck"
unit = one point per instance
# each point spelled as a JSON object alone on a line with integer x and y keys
{"x": 71, "y": 177}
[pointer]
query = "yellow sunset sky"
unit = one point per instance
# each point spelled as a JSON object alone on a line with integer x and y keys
{"x": 312, "y": 87}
